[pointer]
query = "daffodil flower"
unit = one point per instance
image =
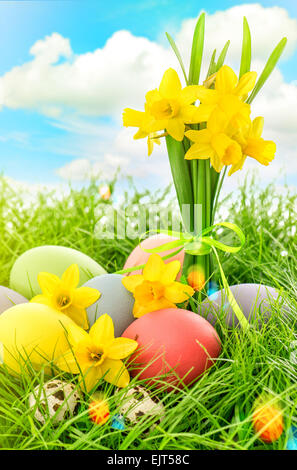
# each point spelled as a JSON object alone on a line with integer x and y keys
{"x": 213, "y": 143}
{"x": 253, "y": 145}
{"x": 64, "y": 296}
{"x": 97, "y": 354}
{"x": 227, "y": 89}
{"x": 156, "y": 287}
{"x": 170, "y": 107}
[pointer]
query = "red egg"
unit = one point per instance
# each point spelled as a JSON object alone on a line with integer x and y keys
{"x": 175, "y": 342}
{"x": 138, "y": 256}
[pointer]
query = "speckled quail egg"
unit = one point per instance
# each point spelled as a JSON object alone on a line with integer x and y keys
{"x": 138, "y": 402}
{"x": 55, "y": 399}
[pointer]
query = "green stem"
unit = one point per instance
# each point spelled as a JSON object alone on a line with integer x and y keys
{"x": 217, "y": 194}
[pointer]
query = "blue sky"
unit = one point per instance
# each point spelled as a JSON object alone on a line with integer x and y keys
{"x": 35, "y": 143}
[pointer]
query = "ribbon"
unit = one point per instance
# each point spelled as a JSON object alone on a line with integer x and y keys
{"x": 200, "y": 245}
{"x": 197, "y": 245}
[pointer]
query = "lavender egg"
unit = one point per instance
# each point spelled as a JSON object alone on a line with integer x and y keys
{"x": 9, "y": 298}
{"x": 255, "y": 300}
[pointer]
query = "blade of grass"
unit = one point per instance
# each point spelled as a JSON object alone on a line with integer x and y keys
{"x": 212, "y": 64}
{"x": 222, "y": 55}
{"x": 197, "y": 51}
{"x": 178, "y": 56}
{"x": 246, "y": 51}
{"x": 271, "y": 63}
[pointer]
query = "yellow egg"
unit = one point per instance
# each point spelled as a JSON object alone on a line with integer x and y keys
{"x": 32, "y": 333}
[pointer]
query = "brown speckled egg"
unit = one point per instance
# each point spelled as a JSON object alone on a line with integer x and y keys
{"x": 55, "y": 399}
{"x": 138, "y": 403}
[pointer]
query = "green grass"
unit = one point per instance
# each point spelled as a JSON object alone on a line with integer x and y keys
{"x": 215, "y": 413}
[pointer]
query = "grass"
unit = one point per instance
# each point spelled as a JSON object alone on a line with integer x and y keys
{"x": 215, "y": 413}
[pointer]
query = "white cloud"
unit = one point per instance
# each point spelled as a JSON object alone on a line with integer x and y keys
{"x": 69, "y": 87}
{"x": 268, "y": 26}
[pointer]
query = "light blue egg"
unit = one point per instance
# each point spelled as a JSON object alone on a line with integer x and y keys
{"x": 292, "y": 442}
{"x": 115, "y": 300}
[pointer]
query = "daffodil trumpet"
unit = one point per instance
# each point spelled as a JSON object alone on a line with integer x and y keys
{"x": 208, "y": 128}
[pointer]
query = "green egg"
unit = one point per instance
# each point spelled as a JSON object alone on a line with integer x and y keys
{"x": 51, "y": 259}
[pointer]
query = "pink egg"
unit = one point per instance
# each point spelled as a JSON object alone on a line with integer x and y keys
{"x": 138, "y": 256}
{"x": 175, "y": 342}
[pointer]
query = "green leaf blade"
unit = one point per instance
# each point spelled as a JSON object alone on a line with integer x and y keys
{"x": 270, "y": 65}
{"x": 178, "y": 56}
{"x": 246, "y": 51}
{"x": 222, "y": 56}
{"x": 197, "y": 51}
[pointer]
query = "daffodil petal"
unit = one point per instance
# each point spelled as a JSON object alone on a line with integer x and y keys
{"x": 67, "y": 362}
{"x": 131, "y": 282}
{"x": 170, "y": 272}
{"x": 191, "y": 114}
{"x": 102, "y": 332}
{"x": 217, "y": 122}
{"x": 170, "y": 85}
{"x": 178, "y": 292}
{"x": 154, "y": 268}
{"x": 237, "y": 166}
{"x": 76, "y": 335}
{"x": 140, "y": 134}
{"x": 48, "y": 283}
{"x": 85, "y": 296}
{"x": 78, "y": 315}
{"x": 226, "y": 80}
{"x": 190, "y": 94}
{"x": 92, "y": 376}
{"x": 70, "y": 278}
{"x": 132, "y": 118}
{"x": 115, "y": 372}
{"x": 176, "y": 128}
{"x": 200, "y": 151}
{"x": 139, "y": 309}
{"x": 207, "y": 96}
{"x": 199, "y": 137}
{"x": 121, "y": 348}
{"x": 246, "y": 83}
{"x": 216, "y": 162}
{"x": 257, "y": 127}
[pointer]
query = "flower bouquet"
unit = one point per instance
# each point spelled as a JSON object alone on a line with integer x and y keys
{"x": 207, "y": 129}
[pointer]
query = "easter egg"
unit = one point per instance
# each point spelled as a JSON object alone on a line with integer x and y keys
{"x": 176, "y": 344}
{"x": 9, "y": 298}
{"x": 255, "y": 300}
{"x": 54, "y": 399}
{"x": 138, "y": 404}
{"x": 51, "y": 259}
{"x": 139, "y": 257}
{"x": 114, "y": 300}
{"x": 32, "y": 332}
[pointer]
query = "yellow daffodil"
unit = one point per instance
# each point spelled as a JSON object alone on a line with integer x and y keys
{"x": 156, "y": 287}
{"x": 97, "y": 354}
{"x": 151, "y": 140}
{"x": 253, "y": 145}
{"x": 214, "y": 143}
{"x": 227, "y": 89}
{"x": 170, "y": 107}
{"x": 64, "y": 296}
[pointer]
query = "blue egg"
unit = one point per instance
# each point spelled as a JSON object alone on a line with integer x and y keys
{"x": 115, "y": 300}
{"x": 292, "y": 442}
